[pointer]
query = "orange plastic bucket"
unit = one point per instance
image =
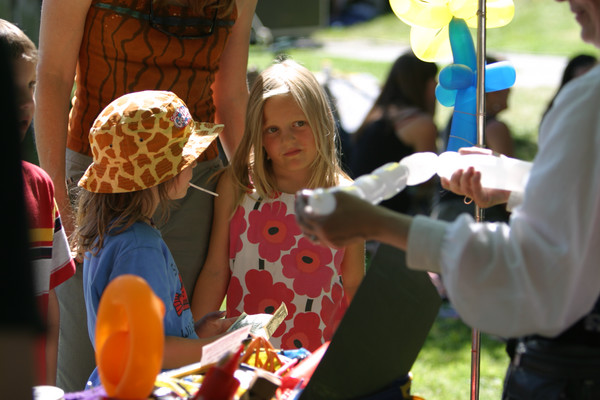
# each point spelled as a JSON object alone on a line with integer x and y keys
{"x": 129, "y": 338}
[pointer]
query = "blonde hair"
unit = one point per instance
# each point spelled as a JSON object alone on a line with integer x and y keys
{"x": 102, "y": 214}
{"x": 17, "y": 42}
{"x": 249, "y": 166}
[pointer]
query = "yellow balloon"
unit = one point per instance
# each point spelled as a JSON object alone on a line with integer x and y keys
{"x": 432, "y": 14}
{"x": 437, "y": 13}
{"x": 429, "y": 21}
{"x": 430, "y": 44}
{"x": 500, "y": 13}
{"x": 463, "y": 9}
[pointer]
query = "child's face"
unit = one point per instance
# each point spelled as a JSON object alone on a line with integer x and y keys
{"x": 180, "y": 185}
{"x": 25, "y": 79}
{"x": 287, "y": 137}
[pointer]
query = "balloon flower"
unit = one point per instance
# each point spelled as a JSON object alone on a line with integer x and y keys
{"x": 129, "y": 338}
{"x": 458, "y": 85}
{"x": 429, "y": 20}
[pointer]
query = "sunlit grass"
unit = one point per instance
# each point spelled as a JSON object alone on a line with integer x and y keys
{"x": 443, "y": 368}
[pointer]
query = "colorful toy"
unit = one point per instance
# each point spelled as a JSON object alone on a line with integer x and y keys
{"x": 429, "y": 20}
{"x": 458, "y": 85}
{"x": 129, "y": 338}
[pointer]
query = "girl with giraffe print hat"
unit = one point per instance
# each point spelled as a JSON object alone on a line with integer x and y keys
{"x": 144, "y": 147}
{"x": 257, "y": 255}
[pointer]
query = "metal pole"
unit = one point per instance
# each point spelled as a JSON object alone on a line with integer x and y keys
{"x": 481, "y": 51}
{"x": 481, "y": 73}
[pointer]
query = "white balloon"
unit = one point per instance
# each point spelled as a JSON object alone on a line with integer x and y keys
{"x": 319, "y": 201}
{"x": 394, "y": 176}
{"x": 389, "y": 179}
{"x": 496, "y": 172}
{"x": 421, "y": 166}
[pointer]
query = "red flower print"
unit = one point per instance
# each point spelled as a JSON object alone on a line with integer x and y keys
{"x": 237, "y": 226}
{"x": 234, "y": 297}
{"x": 307, "y": 266}
{"x": 333, "y": 310}
{"x": 273, "y": 229}
{"x": 265, "y": 297}
{"x": 305, "y": 333}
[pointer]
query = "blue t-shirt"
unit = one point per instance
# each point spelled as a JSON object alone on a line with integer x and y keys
{"x": 139, "y": 250}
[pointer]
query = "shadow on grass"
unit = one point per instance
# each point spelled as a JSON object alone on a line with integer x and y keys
{"x": 443, "y": 368}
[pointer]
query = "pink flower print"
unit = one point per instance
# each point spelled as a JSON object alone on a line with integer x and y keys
{"x": 273, "y": 229}
{"x": 307, "y": 266}
{"x": 265, "y": 297}
{"x": 237, "y": 226}
{"x": 333, "y": 310}
{"x": 234, "y": 297}
{"x": 338, "y": 258}
{"x": 305, "y": 333}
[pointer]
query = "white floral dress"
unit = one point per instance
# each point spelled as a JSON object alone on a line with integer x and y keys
{"x": 271, "y": 262}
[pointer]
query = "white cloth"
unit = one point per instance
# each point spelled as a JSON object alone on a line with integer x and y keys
{"x": 540, "y": 273}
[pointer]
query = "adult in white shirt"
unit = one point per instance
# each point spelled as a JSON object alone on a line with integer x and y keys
{"x": 538, "y": 276}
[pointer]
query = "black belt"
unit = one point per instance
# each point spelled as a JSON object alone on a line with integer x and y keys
{"x": 557, "y": 360}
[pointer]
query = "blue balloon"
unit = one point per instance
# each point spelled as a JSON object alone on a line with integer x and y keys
{"x": 499, "y": 76}
{"x": 457, "y": 85}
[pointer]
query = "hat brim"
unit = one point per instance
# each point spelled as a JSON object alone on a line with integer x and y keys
{"x": 201, "y": 137}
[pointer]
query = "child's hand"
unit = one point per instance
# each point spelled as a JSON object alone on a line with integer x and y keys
{"x": 213, "y": 324}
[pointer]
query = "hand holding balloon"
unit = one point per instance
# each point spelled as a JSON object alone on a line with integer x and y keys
{"x": 504, "y": 173}
{"x": 384, "y": 183}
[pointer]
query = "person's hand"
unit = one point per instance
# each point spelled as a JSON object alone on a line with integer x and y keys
{"x": 468, "y": 183}
{"x": 348, "y": 223}
{"x": 213, "y": 324}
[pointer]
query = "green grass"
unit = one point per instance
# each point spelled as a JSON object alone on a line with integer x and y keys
{"x": 539, "y": 27}
{"x": 443, "y": 368}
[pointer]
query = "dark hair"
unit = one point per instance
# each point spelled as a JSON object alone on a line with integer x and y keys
{"x": 17, "y": 42}
{"x": 405, "y": 85}
{"x": 577, "y": 62}
{"x": 570, "y": 72}
{"x": 406, "y": 82}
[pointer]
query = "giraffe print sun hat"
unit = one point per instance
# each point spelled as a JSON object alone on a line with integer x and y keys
{"x": 143, "y": 139}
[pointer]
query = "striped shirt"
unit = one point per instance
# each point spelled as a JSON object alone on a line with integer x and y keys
{"x": 49, "y": 250}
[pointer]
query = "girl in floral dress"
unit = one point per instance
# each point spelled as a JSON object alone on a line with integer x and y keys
{"x": 258, "y": 256}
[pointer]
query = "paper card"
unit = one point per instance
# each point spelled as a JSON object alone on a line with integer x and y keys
{"x": 213, "y": 352}
{"x": 261, "y": 324}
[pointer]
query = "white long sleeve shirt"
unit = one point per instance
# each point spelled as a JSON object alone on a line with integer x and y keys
{"x": 539, "y": 273}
